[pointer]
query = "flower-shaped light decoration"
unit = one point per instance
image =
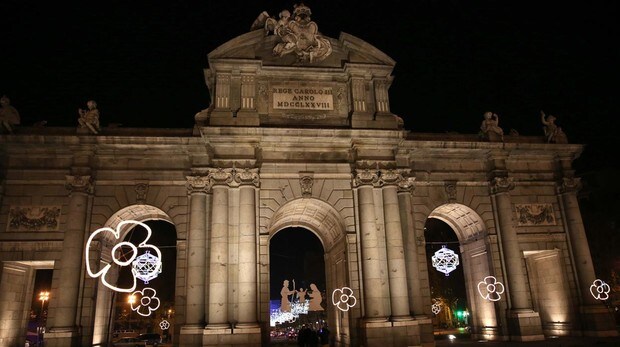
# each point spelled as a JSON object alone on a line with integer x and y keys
{"x": 436, "y": 308}
{"x": 146, "y": 302}
{"x": 490, "y": 289}
{"x": 445, "y": 260}
{"x": 122, "y": 254}
{"x": 600, "y": 290}
{"x": 343, "y": 298}
{"x": 147, "y": 267}
{"x": 164, "y": 325}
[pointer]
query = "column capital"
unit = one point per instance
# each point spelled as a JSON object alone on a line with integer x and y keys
{"x": 392, "y": 177}
{"x": 198, "y": 184}
{"x": 406, "y": 185}
{"x": 501, "y": 185}
{"x": 569, "y": 184}
{"x": 221, "y": 176}
{"x": 363, "y": 177}
{"x": 79, "y": 184}
{"x": 247, "y": 176}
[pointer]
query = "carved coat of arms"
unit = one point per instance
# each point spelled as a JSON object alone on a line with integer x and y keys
{"x": 299, "y": 36}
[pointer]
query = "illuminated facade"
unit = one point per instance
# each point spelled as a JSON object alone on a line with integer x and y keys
{"x": 305, "y": 138}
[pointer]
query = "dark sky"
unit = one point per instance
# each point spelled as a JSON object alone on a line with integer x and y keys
{"x": 143, "y": 61}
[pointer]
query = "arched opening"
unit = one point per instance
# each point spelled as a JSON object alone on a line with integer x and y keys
{"x": 126, "y": 322}
{"x": 115, "y": 318}
{"x": 446, "y": 278}
{"x": 462, "y": 228}
{"x": 297, "y": 285}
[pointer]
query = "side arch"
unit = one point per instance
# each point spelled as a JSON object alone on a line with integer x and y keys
{"x": 476, "y": 261}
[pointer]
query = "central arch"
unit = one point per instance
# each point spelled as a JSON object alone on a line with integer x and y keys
{"x": 328, "y": 225}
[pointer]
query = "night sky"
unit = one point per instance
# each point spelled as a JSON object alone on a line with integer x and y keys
{"x": 143, "y": 63}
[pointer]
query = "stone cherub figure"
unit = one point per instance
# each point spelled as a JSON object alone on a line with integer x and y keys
{"x": 89, "y": 118}
{"x": 490, "y": 128}
{"x": 298, "y": 35}
{"x": 553, "y": 133}
{"x": 9, "y": 117}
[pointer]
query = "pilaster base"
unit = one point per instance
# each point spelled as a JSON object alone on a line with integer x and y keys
{"x": 487, "y": 333}
{"x": 411, "y": 332}
{"x": 191, "y": 335}
{"x": 597, "y": 321}
{"x": 239, "y": 336}
{"x": 525, "y": 325}
{"x": 62, "y": 337}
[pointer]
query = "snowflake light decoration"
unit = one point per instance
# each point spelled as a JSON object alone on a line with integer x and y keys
{"x": 164, "y": 325}
{"x": 147, "y": 301}
{"x": 600, "y": 290}
{"x": 490, "y": 288}
{"x": 343, "y": 298}
{"x": 445, "y": 260}
{"x": 147, "y": 267}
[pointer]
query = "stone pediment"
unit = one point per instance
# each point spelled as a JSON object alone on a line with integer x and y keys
{"x": 258, "y": 45}
{"x": 286, "y": 73}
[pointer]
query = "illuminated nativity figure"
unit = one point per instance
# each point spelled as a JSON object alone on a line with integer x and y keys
{"x": 285, "y": 305}
{"x": 315, "y": 298}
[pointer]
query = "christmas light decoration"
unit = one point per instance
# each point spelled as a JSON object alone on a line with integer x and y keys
{"x": 436, "y": 308}
{"x": 147, "y": 301}
{"x": 297, "y": 309}
{"x": 122, "y": 254}
{"x": 445, "y": 260}
{"x": 147, "y": 267}
{"x": 490, "y": 288}
{"x": 164, "y": 325}
{"x": 600, "y": 290}
{"x": 343, "y": 298}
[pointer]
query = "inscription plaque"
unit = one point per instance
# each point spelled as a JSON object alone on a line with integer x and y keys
{"x": 302, "y": 98}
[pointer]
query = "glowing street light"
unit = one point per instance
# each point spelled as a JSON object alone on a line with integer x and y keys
{"x": 131, "y": 299}
{"x": 43, "y": 297}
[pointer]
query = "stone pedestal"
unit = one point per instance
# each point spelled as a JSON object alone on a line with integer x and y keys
{"x": 191, "y": 335}
{"x": 417, "y": 332}
{"x": 597, "y": 321}
{"x": 525, "y": 325}
{"x": 244, "y": 337}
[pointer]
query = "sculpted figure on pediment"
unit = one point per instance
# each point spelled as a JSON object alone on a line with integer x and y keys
{"x": 89, "y": 118}
{"x": 9, "y": 117}
{"x": 299, "y": 36}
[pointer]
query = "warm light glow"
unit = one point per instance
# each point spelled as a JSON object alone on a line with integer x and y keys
{"x": 131, "y": 299}
{"x": 600, "y": 290}
{"x": 490, "y": 289}
{"x": 44, "y": 296}
{"x": 343, "y": 298}
{"x": 445, "y": 260}
{"x": 116, "y": 261}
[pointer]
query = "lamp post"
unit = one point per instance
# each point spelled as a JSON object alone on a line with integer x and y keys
{"x": 131, "y": 299}
{"x": 43, "y": 297}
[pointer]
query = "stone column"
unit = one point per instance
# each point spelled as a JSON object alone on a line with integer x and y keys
{"x": 416, "y": 306}
{"x": 247, "y": 316}
{"x": 218, "y": 263}
{"x": 516, "y": 278}
{"x": 524, "y": 323}
{"x": 197, "y": 187}
{"x": 597, "y": 321}
{"x": 374, "y": 267}
{"x": 399, "y": 297}
{"x": 64, "y": 318}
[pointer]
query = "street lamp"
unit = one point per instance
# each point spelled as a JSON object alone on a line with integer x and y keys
{"x": 131, "y": 299}
{"x": 43, "y": 297}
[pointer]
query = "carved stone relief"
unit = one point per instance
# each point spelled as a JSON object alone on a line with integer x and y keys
{"x": 31, "y": 218}
{"x": 535, "y": 214}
